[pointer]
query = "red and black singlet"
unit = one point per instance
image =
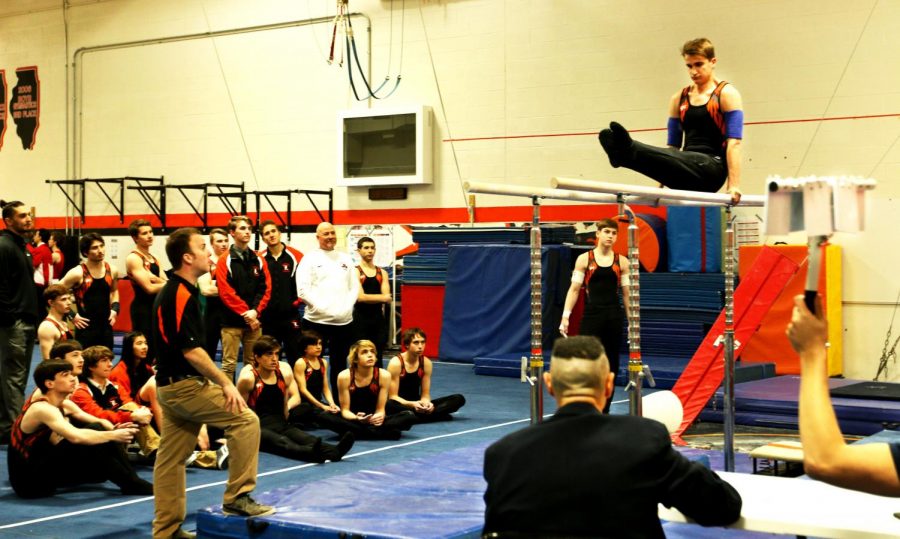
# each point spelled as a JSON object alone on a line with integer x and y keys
{"x": 411, "y": 381}
{"x": 92, "y": 296}
{"x": 64, "y": 332}
{"x": 267, "y": 399}
{"x": 26, "y": 445}
{"x": 315, "y": 379}
{"x": 601, "y": 285}
{"x": 704, "y": 125}
{"x": 364, "y": 398}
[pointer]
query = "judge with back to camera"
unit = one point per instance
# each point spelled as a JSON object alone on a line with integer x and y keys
{"x": 586, "y": 474}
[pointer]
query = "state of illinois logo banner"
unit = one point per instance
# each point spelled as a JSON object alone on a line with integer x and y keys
{"x": 26, "y": 105}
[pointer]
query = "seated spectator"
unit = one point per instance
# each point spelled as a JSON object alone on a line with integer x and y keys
{"x": 99, "y": 397}
{"x": 411, "y": 383}
{"x": 134, "y": 369}
{"x": 583, "y": 473}
{"x": 363, "y": 391}
{"x": 54, "y": 328}
{"x": 873, "y": 468}
{"x": 311, "y": 375}
{"x": 67, "y": 351}
{"x": 268, "y": 387}
{"x": 43, "y": 440}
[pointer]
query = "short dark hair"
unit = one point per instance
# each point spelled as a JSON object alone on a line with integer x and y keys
{"x": 43, "y": 233}
{"x": 410, "y": 334}
{"x": 700, "y": 47}
{"x": 235, "y": 219}
{"x": 92, "y": 355}
{"x": 134, "y": 228}
{"x": 365, "y": 239}
{"x": 308, "y": 338}
{"x": 9, "y": 208}
{"x": 54, "y": 291}
{"x": 607, "y": 223}
{"x": 578, "y": 347}
{"x": 46, "y": 371}
{"x": 220, "y": 231}
{"x": 267, "y": 222}
{"x": 63, "y": 348}
{"x": 178, "y": 244}
{"x": 57, "y": 236}
{"x": 265, "y": 345}
{"x": 86, "y": 241}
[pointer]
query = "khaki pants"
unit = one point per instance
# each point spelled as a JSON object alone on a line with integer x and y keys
{"x": 232, "y": 338}
{"x": 187, "y": 405}
{"x": 147, "y": 438}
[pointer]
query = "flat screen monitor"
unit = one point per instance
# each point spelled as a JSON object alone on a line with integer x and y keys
{"x": 385, "y": 146}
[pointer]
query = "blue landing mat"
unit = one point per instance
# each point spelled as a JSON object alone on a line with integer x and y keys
{"x": 772, "y": 402}
{"x": 451, "y": 505}
{"x": 438, "y": 497}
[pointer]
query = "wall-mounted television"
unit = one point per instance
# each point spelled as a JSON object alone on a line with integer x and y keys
{"x": 390, "y": 146}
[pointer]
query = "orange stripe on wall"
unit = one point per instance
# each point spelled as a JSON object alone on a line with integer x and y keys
{"x": 404, "y": 216}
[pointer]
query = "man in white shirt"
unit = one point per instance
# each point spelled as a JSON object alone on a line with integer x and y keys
{"x": 328, "y": 285}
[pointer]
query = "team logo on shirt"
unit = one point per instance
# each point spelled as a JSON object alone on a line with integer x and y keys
{"x": 285, "y": 267}
{"x": 255, "y": 271}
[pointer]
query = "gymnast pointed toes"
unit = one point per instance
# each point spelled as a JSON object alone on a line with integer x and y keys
{"x": 620, "y": 135}
{"x": 607, "y": 141}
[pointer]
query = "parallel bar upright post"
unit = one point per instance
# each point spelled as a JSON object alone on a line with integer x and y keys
{"x": 728, "y": 447}
{"x": 635, "y": 364}
{"x": 536, "y": 365}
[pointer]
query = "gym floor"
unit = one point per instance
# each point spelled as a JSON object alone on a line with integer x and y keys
{"x": 495, "y": 407}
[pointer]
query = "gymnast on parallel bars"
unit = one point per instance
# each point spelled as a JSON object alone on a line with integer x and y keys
{"x": 705, "y": 129}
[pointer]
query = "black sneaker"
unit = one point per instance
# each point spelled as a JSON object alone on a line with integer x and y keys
{"x": 245, "y": 506}
{"x": 335, "y": 453}
{"x": 138, "y": 487}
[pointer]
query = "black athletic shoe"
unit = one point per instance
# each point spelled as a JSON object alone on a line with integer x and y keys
{"x": 245, "y": 506}
{"x": 138, "y": 487}
{"x": 335, "y": 453}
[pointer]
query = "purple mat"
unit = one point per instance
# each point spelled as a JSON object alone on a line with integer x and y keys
{"x": 773, "y": 402}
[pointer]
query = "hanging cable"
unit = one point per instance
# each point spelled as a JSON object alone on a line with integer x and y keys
{"x": 353, "y": 58}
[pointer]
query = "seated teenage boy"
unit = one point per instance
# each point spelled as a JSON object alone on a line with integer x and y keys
{"x": 269, "y": 389}
{"x": 363, "y": 390}
{"x": 411, "y": 383}
{"x": 101, "y": 398}
{"x": 43, "y": 440}
{"x": 311, "y": 376}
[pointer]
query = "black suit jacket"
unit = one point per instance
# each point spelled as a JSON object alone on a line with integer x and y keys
{"x": 582, "y": 473}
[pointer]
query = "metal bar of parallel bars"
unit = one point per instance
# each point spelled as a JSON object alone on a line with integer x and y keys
{"x": 697, "y": 197}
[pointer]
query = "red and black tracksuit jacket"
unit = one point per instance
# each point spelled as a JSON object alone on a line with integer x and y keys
{"x": 244, "y": 283}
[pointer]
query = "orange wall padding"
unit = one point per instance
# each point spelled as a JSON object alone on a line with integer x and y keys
{"x": 770, "y": 344}
{"x": 649, "y": 248}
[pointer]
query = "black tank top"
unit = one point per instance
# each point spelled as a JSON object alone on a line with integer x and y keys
{"x": 365, "y": 398}
{"x": 370, "y": 285}
{"x": 701, "y": 134}
{"x": 95, "y": 296}
{"x": 602, "y": 289}
{"x": 315, "y": 380}
{"x": 141, "y": 296}
{"x": 270, "y": 402}
{"x": 411, "y": 382}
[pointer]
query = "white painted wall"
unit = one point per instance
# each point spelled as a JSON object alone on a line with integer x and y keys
{"x": 260, "y": 107}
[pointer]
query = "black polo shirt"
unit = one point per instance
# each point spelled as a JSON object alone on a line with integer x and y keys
{"x": 177, "y": 326}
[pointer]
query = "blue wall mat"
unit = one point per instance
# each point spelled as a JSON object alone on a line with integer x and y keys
{"x": 488, "y": 297}
{"x": 688, "y": 229}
